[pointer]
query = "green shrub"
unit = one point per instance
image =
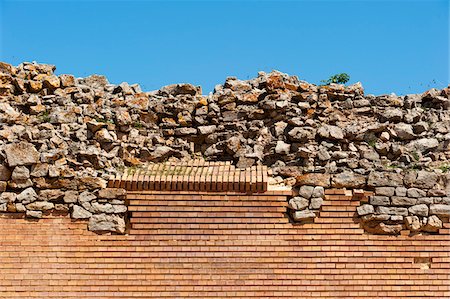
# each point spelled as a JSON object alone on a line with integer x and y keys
{"x": 341, "y": 78}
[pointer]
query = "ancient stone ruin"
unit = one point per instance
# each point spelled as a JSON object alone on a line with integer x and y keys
{"x": 265, "y": 188}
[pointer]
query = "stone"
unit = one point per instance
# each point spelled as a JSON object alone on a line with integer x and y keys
{"x": 185, "y": 131}
{"x": 67, "y": 80}
{"x": 415, "y": 192}
{"x": 441, "y": 210}
{"x": 3, "y": 186}
{"x": 419, "y": 210}
{"x": 413, "y": 223}
{"x": 433, "y": 224}
{"x": 301, "y": 134}
{"x": 365, "y": 210}
{"x": 392, "y": 211}
{"x": 314, "y": 179}
{"x": 401, "y": 191}
{"x": 7, "y": 197}
{"x": 305, "y": 215}
{"x": 102, "y": 207}
{"x": 40, "y": 206}
{"x": 26, "y": 196}
{"x": 282, "y": 148}
{"x": 348, "y": 179}
{"x": 306, "y": 191}
{"x": 91, "y": 183}
{"x": 384, "y": 229}
{"x": 80, "y": 213}
{"x": 21, "y": 153}
{"x": 392, "y": 114}
{"x": 331, "y": 132}
{"x": 316, "y": 203}
{"x": 422, "y": 145}
{"x": 425, "y": 180}
{"x": 5, "y": 173}
{"x": 51, "y": 194}
{"x": 403, "y": 201}
{"x": 318, "y": 192}
{"x": 112, "y": 193}
{"x": 70, "y": 196}
{"x": 20, "y": 173}
{"x": 385, "y": 191}
{"x": 51, "y": 82}
{"x": 206, "y": 130}
{"x": 86, "y": 196}
{"x": 298, "y": 203}
{"x": 404, "y": 131}
{"x": 39, "y": 170}
{"x": 381, "y": 179}
{"x": 379, "y": 200}
{"x": 33, "y": 214}
{"x": 107, "y": 223}
{"x": 120, "y": 209}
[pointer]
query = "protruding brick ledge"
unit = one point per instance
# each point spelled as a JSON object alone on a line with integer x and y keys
{"x": 194, "y": 175}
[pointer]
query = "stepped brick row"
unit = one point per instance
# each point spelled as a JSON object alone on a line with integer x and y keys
{"x": 186, "y": 245}
{"x": 193, "y": 175}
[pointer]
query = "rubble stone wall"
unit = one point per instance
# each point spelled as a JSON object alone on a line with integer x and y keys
{"x": 62, "y": 137}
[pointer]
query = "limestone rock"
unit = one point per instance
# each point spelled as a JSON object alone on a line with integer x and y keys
{"x": 306, "y": 191}
{"x": 419, "y": 210}
{"x": 304, "y": 215}
{"x": 365, "y": 210}
{"x": 107, "y": 223}
{"x": 21, "y": 153}
{"x": 348, "y": 179}
{"x": 433, "y": 224}
{"x": 441, "y": 210}
{"x": 298, "y": 203}
{"x": 80, "y": 213}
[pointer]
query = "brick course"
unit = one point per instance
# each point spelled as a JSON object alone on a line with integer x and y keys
{"x": 220, "y": 245}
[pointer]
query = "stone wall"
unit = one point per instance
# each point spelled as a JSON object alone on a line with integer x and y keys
{"x": 62, "y": 137}
{"x": 220, "y": 245}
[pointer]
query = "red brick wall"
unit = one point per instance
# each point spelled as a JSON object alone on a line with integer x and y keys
{"x": 204, "y": 246}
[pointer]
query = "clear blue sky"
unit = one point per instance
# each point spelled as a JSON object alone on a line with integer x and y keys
{"x": 390, "y": 46}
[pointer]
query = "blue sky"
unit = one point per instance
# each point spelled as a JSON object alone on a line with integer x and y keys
{"x": 390, "y": 46}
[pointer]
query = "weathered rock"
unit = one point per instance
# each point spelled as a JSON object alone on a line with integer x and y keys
{"x": 433, "y": 224}
{"x": 112, "y": 193}
{"x": 107, "y": 223}
{"x": 33, "y": 214}
{"x": 80, "y": 213}
{"x": 379, "y": 200}
{"x": 415, "y": 192}
{"x": 330, "y": 132}
{"x": 365, "y": 210}
{"x": 314, "y": 179}
{"x": 21, "y": 153}
{"x": 403, "y": 201}
{"x": 380, "y": 179}
{"x": 441, "y": 210}
{"x": 20, "y": 173}
{"x": 392, "y": 211}
{"x": 385, "y": 191}
{"x": 304, "y": 215}
{"x": 40, "y": 206}
{"x": 348, "y": 179}
{"x": 70, "y": 196}
{"x": 298, "y": 203}
{"x": 419, "y": 210}
{"x": 26, "y": 196}
{"x": 5, "y": 173}
{"x": 282, "y": 148}
{"x": 413, "y": 223}
{"x": 316, "y": 203}
{"x": 318, "y": 192}
{"x": 306, "y": 191}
